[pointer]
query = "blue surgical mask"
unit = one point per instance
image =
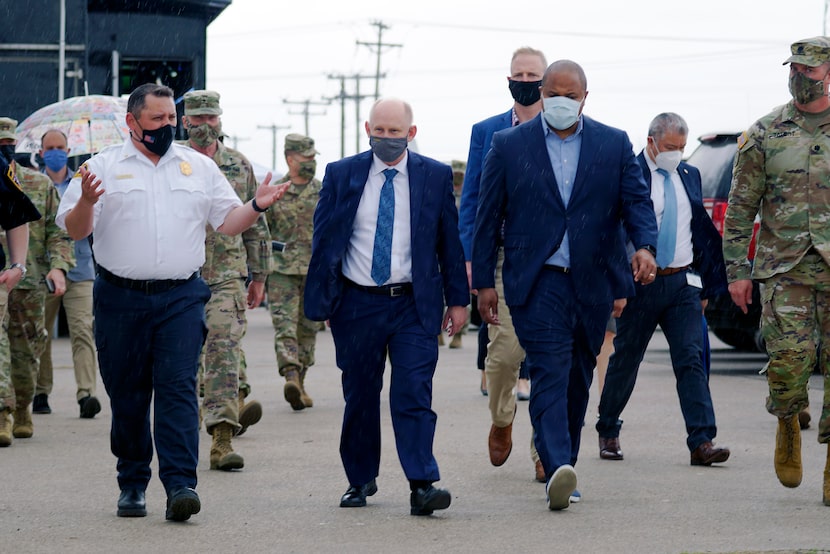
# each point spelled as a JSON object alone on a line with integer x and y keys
{"x": 388, "y": 149}
{"x": 561, "y": 112}
{"x": 55, "y": 159}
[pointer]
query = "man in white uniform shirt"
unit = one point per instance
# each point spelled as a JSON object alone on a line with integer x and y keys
{"x": 148, "y": 202}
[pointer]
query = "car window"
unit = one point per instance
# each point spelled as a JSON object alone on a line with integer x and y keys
{"x": 714, "y": 158}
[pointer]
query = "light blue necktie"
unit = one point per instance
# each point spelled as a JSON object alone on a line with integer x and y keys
{"x": 382, "y": 254}
{"x": 667, "y": 236}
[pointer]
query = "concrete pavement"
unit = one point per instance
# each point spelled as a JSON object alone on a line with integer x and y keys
{"x": 58, "y": 489}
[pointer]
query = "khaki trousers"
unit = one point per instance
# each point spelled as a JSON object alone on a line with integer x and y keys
{"x": 77, "y": 303}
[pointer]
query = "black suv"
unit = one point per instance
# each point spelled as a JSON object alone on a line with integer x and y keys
{"x": 714, "y": 158}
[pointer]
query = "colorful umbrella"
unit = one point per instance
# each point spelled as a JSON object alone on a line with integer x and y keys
{"x": 90, "y": 124}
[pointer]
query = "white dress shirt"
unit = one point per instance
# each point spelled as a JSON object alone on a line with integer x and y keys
{"x": 683, "y": 252}
{"x": 150, "y": 221}
{"x": 357, "y": 265}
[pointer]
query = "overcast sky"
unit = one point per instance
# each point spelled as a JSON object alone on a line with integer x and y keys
{"x": 718, "y": 63}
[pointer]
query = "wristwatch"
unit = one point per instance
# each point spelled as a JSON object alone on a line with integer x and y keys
{"x": 21, "y": 267}
{"x": 650, "y": 248}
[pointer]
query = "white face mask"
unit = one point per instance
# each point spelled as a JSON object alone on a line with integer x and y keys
{"x": 560, "y": 111}
{"x": 668, "y": 161}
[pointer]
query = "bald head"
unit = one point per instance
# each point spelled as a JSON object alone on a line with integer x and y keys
{"x": 391, "y": 107}
{"x": 566, "y": 67}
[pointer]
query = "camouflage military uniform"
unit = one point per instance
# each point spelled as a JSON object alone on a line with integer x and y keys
{"x": 227, "y": 260}
{"x": 782, "y": 172}
{"x": 49, "y": 248}
{"x": 291, "y": 221}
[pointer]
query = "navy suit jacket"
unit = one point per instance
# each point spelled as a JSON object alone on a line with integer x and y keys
{"x": 706, "y": 241}
{"x": 438, "y": 271}
{"x": 519, "y": 187}
{"x": 480, "y": 139}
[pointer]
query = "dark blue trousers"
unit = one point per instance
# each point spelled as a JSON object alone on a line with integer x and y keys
{"x": 561, "y": 338}
{"x": 675, "y": 306}
{"x": 365, "y": 328}
{"x": 150, "y": 343}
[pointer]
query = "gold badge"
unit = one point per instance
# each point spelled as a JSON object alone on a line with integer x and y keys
{"x": 186, "y": 169}
{"x": 78, "y": 173}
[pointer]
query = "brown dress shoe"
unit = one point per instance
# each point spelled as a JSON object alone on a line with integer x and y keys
{"x": 500, "y": 443}
{"x": 707, "y": 454}
{"x": 609, "y": 448}
{"x": 540, "y": 472}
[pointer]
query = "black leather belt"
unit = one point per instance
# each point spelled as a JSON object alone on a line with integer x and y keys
{"x": 392, "y": 291}
{"x": 557, "y": 268}
{"x": 671, "y": 270}
{"x": 152, "y": 286}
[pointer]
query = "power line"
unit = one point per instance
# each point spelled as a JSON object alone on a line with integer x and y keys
{"x": 357, "y": 97}
{"x": 273, "y": 128}
{"x": 378, "y": 49}
{"x": 305, "y": 111}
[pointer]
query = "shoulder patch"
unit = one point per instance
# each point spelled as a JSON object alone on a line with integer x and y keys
{"x": 742, "y": 140}
{"x": 78, "y": 173}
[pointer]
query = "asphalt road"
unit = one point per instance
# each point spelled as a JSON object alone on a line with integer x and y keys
{"x": 58, "y": 490}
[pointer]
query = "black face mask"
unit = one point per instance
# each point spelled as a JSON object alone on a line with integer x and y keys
{"x": 158, "y": 141}
{"x": 525, "y": 93}
{"x": 7, "y": 150}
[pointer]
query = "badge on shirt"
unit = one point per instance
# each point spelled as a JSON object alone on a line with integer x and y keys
{"x": 185, "y": 168}
{"x": 694, "y": 280}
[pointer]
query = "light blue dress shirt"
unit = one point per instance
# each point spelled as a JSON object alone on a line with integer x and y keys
{"x": 564, "y": 158}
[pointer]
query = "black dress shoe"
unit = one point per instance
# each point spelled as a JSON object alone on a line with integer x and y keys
{"x": 131, "y": 503}
{"x": 181, "y": 504}
{"x": 355, "y": 497}
{"x": 40, "y": 404}
{"x": 424, "y": 501}
{"x": 89, "y": 406}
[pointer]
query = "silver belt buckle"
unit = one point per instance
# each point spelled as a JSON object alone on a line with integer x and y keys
{"x": 396, "y": 291}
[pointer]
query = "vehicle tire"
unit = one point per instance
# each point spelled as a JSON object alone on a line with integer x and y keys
{"x": 738, "y": 339}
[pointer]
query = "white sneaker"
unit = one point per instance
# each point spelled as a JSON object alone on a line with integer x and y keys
{"x": 560, "y": 487}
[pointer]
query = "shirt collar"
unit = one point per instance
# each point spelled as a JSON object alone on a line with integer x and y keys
{"x": 378, "y": 165}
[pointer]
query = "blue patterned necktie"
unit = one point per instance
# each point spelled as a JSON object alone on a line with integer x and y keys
{"x": 382, "y": 254}
{"x": 667, "y": 236}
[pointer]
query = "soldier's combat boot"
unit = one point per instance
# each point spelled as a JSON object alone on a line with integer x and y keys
{"x": 304, "y": 397}
{"x": 23, "y": 427}
{"x": 826, "y": 496}
{"x": 222, "y": 455}
{"x": 249, "y": 413}
{"x": 456, "y": 341}
{"x": 788, "y": 451}
{"x": 293, "y": 389}
{"x": 5, "y": 427}
{"x": 440, "y": 339}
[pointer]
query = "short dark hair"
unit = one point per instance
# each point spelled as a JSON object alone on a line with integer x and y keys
{"x": 137, "y": 101}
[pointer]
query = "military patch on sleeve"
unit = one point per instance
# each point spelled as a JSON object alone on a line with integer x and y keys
{"x": 742, "y": 140}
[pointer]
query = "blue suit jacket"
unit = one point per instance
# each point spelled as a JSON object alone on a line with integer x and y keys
{"x": 706, "y": 241}
{"x": 438, "y": 271}
{"x": 480, "y": 139}
{"x": 519, "y": 187}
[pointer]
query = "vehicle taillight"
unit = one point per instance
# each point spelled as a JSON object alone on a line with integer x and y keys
{"x": 717, "y": 212}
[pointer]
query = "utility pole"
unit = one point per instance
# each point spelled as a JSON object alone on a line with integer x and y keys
{"x": 377, "y": 47}
{"x": 305, "y": 112}
{"x": 357, "y": 97}
{"x": 273, "y": 128}
{"x": 236, "y": 139}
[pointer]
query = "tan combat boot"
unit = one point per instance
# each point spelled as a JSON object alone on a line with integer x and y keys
{"x": 440, "y": 339}
{"x": 826, "y": 496}
{"x": 5, "y": 427}
{"x": 293, "y": 389}
{"x": 222, "y": 455}
{"x": 23, "y": 427}
{"x": 249, "y": 413}
{"x": 788, "y": 451}
{"x": 307, "y": 401}
{"x": 456, "y": 341}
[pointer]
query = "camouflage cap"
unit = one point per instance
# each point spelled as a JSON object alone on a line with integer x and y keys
{"x": 202, "y": 102}
{"x": 301, "y": 144}
{"x": 811, "y": 52}
{"x": 458, "y": 166}
{"x": 8, "y": 127}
